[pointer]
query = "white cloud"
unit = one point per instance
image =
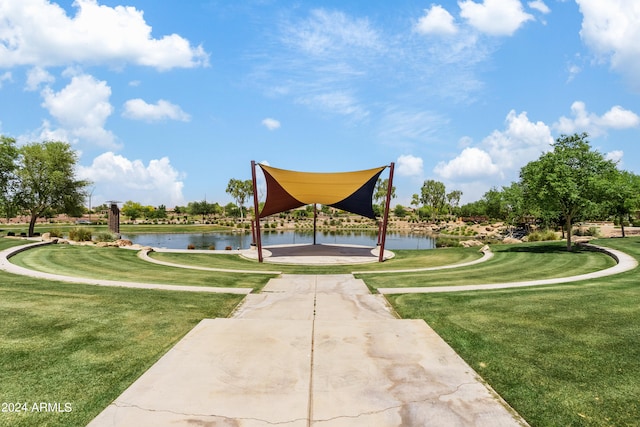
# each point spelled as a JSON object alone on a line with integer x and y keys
{"x": 138, "y": 109}
{"x": 615, "y": 156}
{"x": 494, "y": 17}
{"x": 472, "y": 163}
{"x": 325, "y": 33}
{"x": 118, "y": 178}
{"x": 612, "y": 29}
{"x": 502, "y": 153}
{"x": 342, "y": 103}
{"x": 38, "y": 32}
{"x": 408, "y": 165}
{"x": 540, "y": 6}
{"x": 82, "y": 109}
{"x": 436, "y": 20}
{"x": 271, "y": 124}
{"x": 521, "y": 142}
{"x": 584, "y": 121}
{"x": 37, "y": 76}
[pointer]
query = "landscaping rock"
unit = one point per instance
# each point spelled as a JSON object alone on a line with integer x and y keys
{"x": 470, "y": 243}
{"x": 511, "y": 240}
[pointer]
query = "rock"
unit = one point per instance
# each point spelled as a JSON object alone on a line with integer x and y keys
{"x": 123, "y": 242}
{"x": 470, "y": 243}
{"x": 511, "y": 240}
{"x": 46, "y": 236}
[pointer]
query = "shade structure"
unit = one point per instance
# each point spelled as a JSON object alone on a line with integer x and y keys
{"x": 349, "y": 191}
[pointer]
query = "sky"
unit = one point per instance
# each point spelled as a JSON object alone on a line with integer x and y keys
{"x": 166, "y": 101}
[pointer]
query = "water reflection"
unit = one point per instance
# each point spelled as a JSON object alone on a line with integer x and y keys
{"x": 235, "y": 240}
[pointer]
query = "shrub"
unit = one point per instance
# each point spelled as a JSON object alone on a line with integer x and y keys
{"x": 447, "y": 242}
{"x": 80, "y": 234}
{"x": 105, "y": 236}
{"x": 55, "y": 232}
{"x": 542, "y": 235}
{"x": 591, "y": 231}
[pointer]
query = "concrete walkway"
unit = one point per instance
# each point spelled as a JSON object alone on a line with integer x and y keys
{"x": 310, "y": 351}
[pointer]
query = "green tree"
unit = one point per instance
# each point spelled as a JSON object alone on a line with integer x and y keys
{"x": 133, "y": 210}
{"x": 8, "y": 166}
{"x": 400, "y": 211}
{"x": 241, "y": 191}
{"x": 380, "y": 192}
{"x": 623, "y": 199}
{"x": 46, "y": 181}
{"x": 453, "y": 200}
{"x": 433, "y": 195}
{"x": 569, "y": 180}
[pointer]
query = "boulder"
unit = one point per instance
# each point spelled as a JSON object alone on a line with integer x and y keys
{"x": 511, "y": 240}
{"x": 470, "y": 243}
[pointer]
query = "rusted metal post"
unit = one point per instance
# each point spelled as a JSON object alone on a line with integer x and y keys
{"x": 256, "y": 208}
{"x": 383, "y": 233}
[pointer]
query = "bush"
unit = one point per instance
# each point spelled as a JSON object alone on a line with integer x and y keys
{"x": 447, "y": 242}
{"x": 542, "y": 235}
{"x": 55, "y": 232}
{"x": 80, "y": 234}
{"x": 106, "y": 236}
{"x": 591, "y": 231}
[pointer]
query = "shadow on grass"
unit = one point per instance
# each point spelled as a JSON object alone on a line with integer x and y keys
{"x": 546, "y": 249}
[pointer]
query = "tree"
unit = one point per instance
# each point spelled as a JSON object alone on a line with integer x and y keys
{"x": 46, "y": 180}
{"x": 433, "y": 195}
{"x": 241, "y": 191}
{"x": 569, "y": 179}
{"x": 624, "y": 196}
{"x": 8, "y": 165}
{"x": 400, "y": 211}
{"x": 453, "y": 199}
{"x": 133, "y": 210}
{"x": 380, "y": 193}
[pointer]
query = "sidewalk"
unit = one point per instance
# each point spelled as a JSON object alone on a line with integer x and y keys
{"x": 310, "y": 351}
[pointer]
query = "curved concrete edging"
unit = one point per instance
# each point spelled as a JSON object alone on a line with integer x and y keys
{"x": 486, "y": 256}
{"x": 9, "y": 267}
{"x": 144, "y": 255}
{"x": 624, "y": 263}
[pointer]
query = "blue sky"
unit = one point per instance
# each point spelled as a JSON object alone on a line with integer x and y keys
{"x": 165, "y": 101}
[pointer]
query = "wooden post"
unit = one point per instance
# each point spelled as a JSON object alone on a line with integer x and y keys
{"x": 256, "y": 208}
{"x": 385, "y": 219}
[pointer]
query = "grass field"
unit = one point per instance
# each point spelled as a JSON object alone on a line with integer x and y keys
{"x": 563, "y": 355}
{"x": 510, "y": 263}
{"x": 121, "y": 264}
{"x": 403, "y": 259}
{"x": 83, "y": 345}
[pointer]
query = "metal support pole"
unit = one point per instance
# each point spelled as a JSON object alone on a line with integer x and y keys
{"x": 256, "y": 208}
{"x": 383, "y": 233}
{"x": 315, "y": 218}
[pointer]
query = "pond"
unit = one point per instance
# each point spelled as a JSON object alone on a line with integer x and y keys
{"x": 220, "y": 240}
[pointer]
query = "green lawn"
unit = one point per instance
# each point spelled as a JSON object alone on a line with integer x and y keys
{"x": 563, "y": 355}
{"x": 510, "y": 263}
{"x": 84, "y": 345}
{"x": 403, "y": 259}
{"x": 122, "y": 264}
